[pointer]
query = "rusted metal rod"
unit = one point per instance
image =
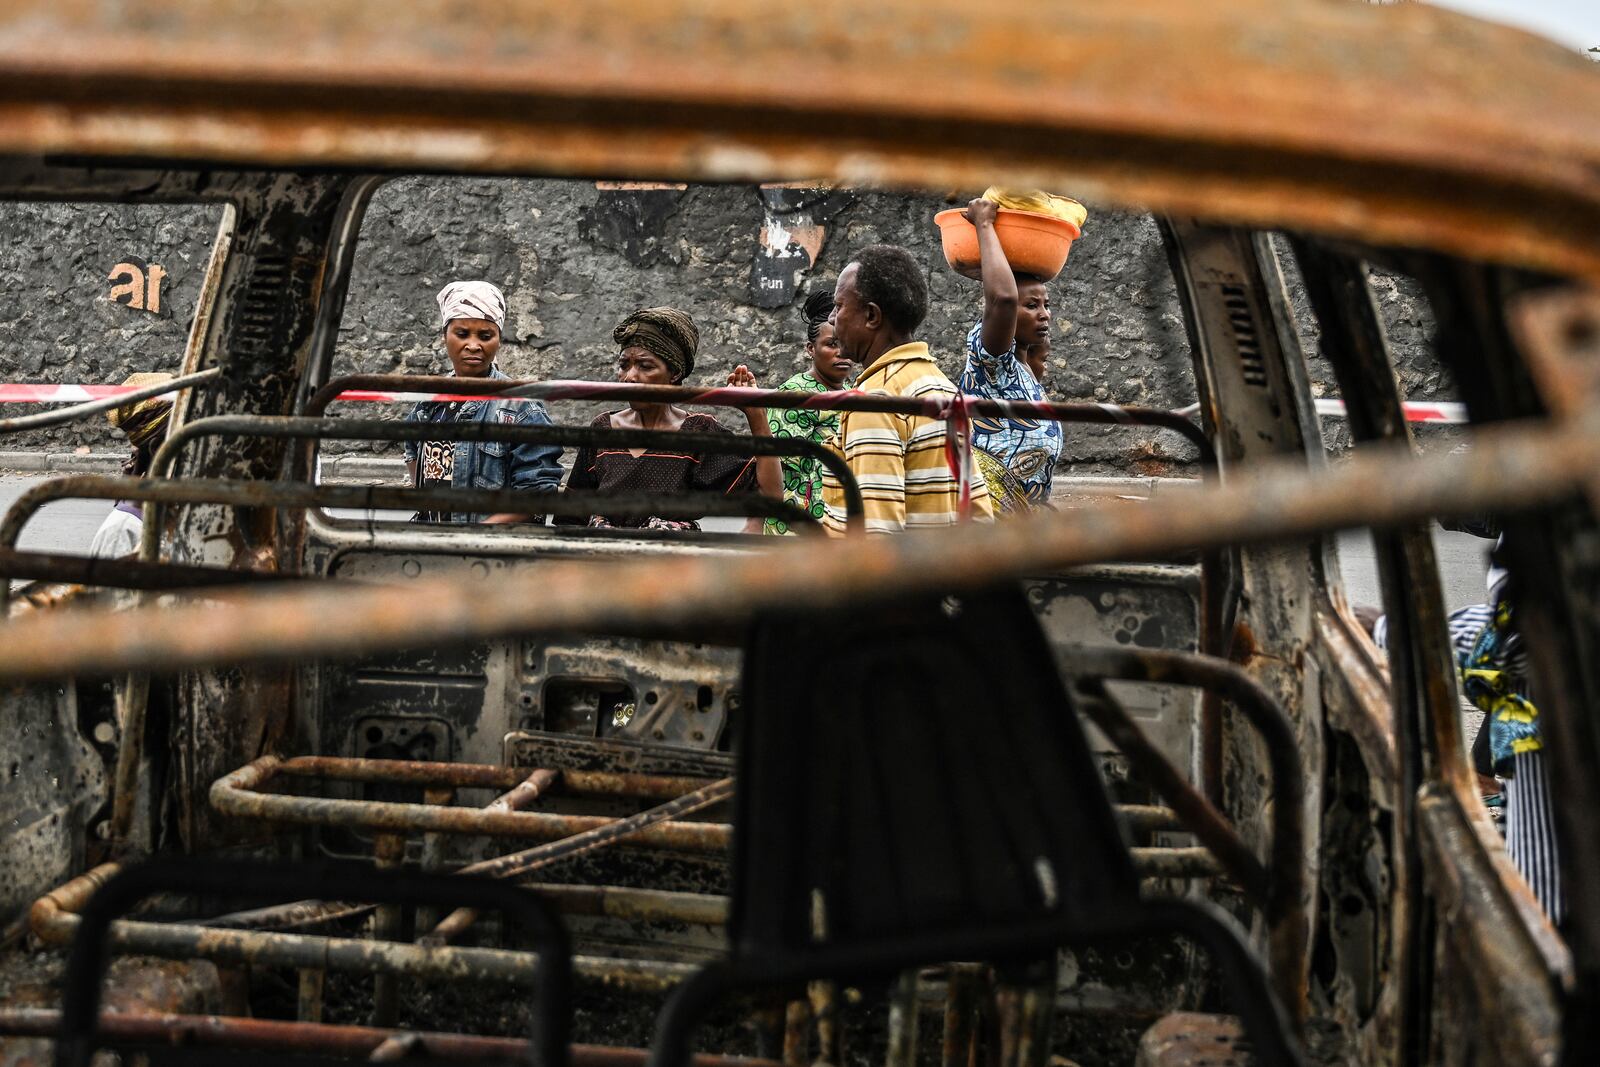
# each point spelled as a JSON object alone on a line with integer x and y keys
{"x": 1176, "y": 863}
{"x": 487, "y": 776}
{"x": 356, "y": 1042}
{"x": 636, "y": 905}
{"x": 608, "y": 901}
{"x": 444, "y": 775}
{"x": 235, "y": 794}
{"x": 54, "y": 920}
{"x": 634, "y": 826}
{"x": 1199, "y": 817}
{"x": 638, "y": 505}
{"x": 389, "y": 853}
{"x": 1150, "y": 818}
{"x": 1511, "y": 466}
{"x": 526, "y": 791}
{"x": 279, "y": 494}
{"x": 119, "y": 573}
{"x": 729, "y": 396}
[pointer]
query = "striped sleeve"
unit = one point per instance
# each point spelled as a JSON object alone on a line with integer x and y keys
{"x": 875, "y": 451}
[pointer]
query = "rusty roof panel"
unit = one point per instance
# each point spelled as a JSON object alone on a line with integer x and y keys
{"x": 1403, "y": 124}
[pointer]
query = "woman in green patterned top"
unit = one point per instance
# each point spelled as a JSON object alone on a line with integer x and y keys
{"x": 802, "y": 476}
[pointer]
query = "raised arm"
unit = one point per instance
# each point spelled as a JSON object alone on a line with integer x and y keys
{"x": 769, "y": 469}
{"x": 999, "y": 284}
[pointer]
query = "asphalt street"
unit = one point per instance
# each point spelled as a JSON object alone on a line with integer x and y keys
{"x": 69, "y": 525}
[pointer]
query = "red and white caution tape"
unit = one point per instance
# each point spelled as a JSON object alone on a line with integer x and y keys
{"x": 1442, "y": 412}
{"x": 16, "y": 393}
{"x": 1415, "y": 412}
{"x": 19, "y": 393}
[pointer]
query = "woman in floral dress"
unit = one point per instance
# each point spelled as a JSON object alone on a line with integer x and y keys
{"x": 829, "y": 370}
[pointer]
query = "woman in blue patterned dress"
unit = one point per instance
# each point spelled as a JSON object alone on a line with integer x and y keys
{"x": 829, "y": 370}
{"x": 1017, "y": 457}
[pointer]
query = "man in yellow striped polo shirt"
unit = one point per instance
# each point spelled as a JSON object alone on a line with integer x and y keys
{"x": 898, "y": 460}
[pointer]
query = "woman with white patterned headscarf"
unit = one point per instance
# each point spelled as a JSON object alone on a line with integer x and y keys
{"x": 473, "y": 316}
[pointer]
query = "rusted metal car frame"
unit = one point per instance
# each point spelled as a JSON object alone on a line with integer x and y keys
{"x": 1224, "y": 115}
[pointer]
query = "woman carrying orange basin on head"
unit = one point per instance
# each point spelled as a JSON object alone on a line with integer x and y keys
{"x": 1017, "y": 456}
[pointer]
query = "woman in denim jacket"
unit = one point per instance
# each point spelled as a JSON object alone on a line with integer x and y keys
{"x": 474, "y": 315}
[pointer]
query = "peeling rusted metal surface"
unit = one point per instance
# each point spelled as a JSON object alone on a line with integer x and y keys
{"x": 1401, "y": 124}
{"x": 1364, "y": 713}
{"x": 143, "y": 1028}
{"x": 1194, "y": 1039}
{"x": 1486, "y": 955}
{"x": 53, "y": 781}
{"x": 1272, "y": 500}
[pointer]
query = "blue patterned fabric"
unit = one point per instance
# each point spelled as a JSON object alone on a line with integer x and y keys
{"x": 489, "y": 464}
{"x": 1027, "y": 448}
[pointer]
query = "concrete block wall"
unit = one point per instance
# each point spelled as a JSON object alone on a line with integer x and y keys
{"x": 575, "y": 256}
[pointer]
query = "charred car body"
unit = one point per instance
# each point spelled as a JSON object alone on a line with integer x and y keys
{"x": 1246, "y": 776}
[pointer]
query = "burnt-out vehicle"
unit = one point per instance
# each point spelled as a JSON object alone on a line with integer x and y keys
{"x": 260, "y": 808}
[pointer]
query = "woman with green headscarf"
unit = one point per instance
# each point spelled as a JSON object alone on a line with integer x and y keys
{"x": 657, "y": 346}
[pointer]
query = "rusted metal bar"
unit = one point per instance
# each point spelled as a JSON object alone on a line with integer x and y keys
{"x": 729, "y": 396}
{"x": 603, "y": 901}
{"x": 902, "y": 1051}
{"x": 1199, "y": 817}
{"x": 960, "y": 1014}
{"x": 526, "y": 791}
{"x": 634, "y": 826}
{"x": 636, "y": 905}
{"x": 133, "y": 701}
{"x": 1150, "y": 818}
{"x": 271, "y": 1035}
{"x": 487, "y": 776}
{"x": 159, "y": 491}
{"x": 75, "y": 412}
{"x": 571, "y": 502}
{"x": 234, "y": 794}
{"x": 397, "y": 1046}
{"x": 796, "y": 1036}
{"x": 431, "y": 858}
{"x": 311, "y": 983}
{"x": 389, "y": 853}
{"x": 824, "y": 998}
{"x": 1510, "y": 467}
{"x": 54, "y": 920}
{"x": 1037, "y": 1016}
{"x": 1177, "y": 863}
{"x": 469, "y": 775}
{"x": 288, "y": 916}
{"x": 119, "y": 573}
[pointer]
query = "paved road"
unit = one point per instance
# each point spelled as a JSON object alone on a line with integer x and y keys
{"x": 63, "y": 526}
{"x": 69, "y": 526}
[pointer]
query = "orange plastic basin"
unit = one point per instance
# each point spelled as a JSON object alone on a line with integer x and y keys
{"x": 1034, "y": 244}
